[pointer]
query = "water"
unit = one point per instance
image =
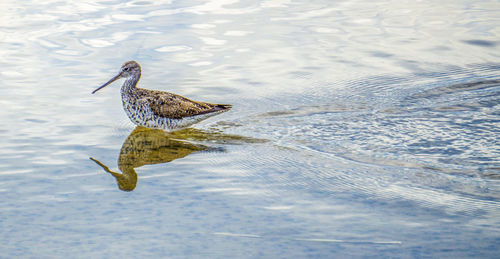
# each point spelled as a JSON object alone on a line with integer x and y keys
{"x": 359, "y": 128}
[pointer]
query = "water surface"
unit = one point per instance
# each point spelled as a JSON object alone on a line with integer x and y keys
{"x": 359, "y": 128}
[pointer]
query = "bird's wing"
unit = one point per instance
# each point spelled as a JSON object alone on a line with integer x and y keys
{"x": 176, "y": 107}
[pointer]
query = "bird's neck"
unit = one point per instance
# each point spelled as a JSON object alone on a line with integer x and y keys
{"x": 130, "y": 83}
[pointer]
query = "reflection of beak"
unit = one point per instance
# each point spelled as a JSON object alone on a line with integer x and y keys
{"x": 107, "y": 83}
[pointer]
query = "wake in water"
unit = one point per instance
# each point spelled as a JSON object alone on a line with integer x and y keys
{"x": 430, "y": 137}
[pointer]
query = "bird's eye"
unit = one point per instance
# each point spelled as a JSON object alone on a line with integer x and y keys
{"x": 126, "y": 69}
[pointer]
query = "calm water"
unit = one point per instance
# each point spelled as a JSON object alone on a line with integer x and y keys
{"x": 358, "y": 129}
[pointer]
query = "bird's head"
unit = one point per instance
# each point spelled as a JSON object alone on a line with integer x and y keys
{"x": 128, "y": 69}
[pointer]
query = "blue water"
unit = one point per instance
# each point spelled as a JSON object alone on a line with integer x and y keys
{"x": 358, "y": 129}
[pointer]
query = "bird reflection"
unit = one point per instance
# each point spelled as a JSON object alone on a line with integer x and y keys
{"x": 152, "y": 146}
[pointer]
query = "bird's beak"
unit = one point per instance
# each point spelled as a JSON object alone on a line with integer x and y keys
{"x": 107, "y": 83}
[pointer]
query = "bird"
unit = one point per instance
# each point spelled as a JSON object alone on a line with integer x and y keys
{"x": 156, "y": 109}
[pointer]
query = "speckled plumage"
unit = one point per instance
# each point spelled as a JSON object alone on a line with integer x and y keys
{"x": 158, "y": 109}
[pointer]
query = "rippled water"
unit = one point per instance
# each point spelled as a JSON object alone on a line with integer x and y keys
{"x": 359, "y": 128}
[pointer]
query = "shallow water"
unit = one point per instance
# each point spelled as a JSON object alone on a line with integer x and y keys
{"x": 358, "y": 129}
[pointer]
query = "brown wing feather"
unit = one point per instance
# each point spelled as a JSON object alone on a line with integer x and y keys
{"x": 175, "y": 106}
